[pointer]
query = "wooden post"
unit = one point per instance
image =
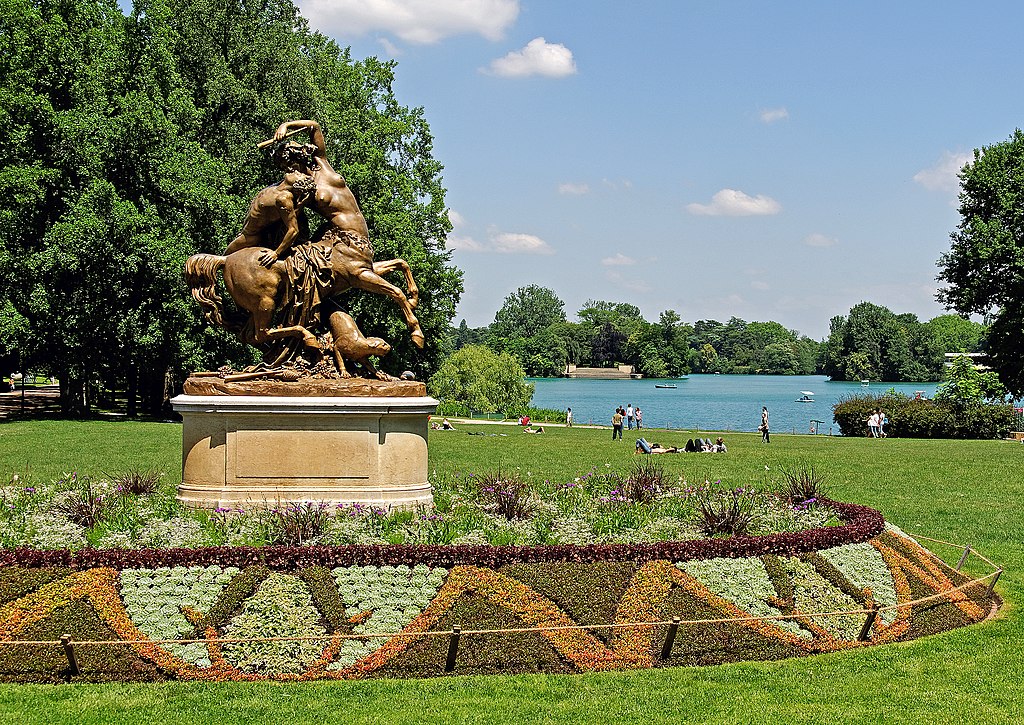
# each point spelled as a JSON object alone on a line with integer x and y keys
{"x": 670, "y": 637}
{"x": 453, "y": 648}
{"x": 992, "y": 584}
{"x": 963, "y": 559}
{"x": 865, "y": 631}
{"x": 69, "y": 650}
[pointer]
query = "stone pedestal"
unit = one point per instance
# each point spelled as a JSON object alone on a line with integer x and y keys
{"x": 258, "y": 450}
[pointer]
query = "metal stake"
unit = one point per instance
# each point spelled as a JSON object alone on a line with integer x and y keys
{"x": 963, "y": 559}
{"x": 670, "y": 637}
{"x": 865, "y": 631}
{"x": 992, "y": 584}
{"x": 69, "y": 650}
{"x": 453, "y": 648}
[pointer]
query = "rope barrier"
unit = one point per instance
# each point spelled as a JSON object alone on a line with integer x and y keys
{"x": 545, "y": 628}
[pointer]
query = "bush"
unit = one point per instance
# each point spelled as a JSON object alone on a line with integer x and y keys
{"x": 912, "y": 418}
{"x": 803, "y": 485}
{"x": 727, "y": 513}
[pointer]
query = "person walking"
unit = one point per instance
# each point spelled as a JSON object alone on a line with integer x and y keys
{"x": 629, "y": 415}
{"x": 875, "y": 424}
{"x": 765, "y": 437}
{"x": 568, "y": 418}
{"x": 617, "y": 423}
{"x": 639, "y": 415}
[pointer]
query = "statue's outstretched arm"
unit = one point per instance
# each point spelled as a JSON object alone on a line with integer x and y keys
{"x": 316, "y": 136}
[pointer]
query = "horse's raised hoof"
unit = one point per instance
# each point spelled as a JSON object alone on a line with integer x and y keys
{"x": 417, "y": 337}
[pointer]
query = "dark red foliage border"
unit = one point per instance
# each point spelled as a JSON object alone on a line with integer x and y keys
{"x": 861, "y": 523}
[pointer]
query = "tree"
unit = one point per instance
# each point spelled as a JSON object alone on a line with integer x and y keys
{"x": 129, "y": 144}
{"x": 954, "y": 333}
{"x": 966, "y": 386}
{"x": 482, "y": 380}
{"x": 985, "y": 264}
{"x": 528, "y": 311}
{"x": 873, "y": 343}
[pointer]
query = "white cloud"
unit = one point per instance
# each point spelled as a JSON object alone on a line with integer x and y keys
{"x": 730, "y": 202}
{"x": 464, "y": 244}
{"x": 942, "y": 175}
{"x": 820, "y": 240}
{"x": 760, "y": 285}
{"x": 509, "y": 243}
{"x": 414, "y": 21}
{"x": 538, "y": 58}
{"x": 500, "y": 242}
{"x": 573, "y": 189}
{"x": 619, "y": 260}
{"x": 392, "y": 50}
{"x": 771, "y": 115}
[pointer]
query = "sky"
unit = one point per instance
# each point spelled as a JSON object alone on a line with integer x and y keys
{"x": 776, "y": 160}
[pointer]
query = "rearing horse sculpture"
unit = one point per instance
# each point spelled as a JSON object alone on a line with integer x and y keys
{"x": 339, "y": 258}
{"x": 261, "y": 290}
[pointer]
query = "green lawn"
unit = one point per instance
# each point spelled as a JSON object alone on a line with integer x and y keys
{"x": 961, "y": 491}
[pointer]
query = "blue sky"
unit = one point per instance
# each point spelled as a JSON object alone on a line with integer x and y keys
{"x": 769, "y": 160}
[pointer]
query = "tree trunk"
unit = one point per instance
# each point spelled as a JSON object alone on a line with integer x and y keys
{"x": 131, "y": 407}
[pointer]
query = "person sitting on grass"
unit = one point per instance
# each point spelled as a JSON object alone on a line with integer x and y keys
{"x": 445, "y": 425}
{"x": 719, "y": 446}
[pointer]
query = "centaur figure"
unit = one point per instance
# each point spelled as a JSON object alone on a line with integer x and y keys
{"x": 271, "y": 267}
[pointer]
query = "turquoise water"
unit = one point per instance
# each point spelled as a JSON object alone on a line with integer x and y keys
{"x": 711, "y": 402}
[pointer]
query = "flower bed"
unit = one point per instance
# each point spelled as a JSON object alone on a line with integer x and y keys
{"x": 543, "y": 576}
{"x": 250, "y": 609}
{"x": 642, "y": 505}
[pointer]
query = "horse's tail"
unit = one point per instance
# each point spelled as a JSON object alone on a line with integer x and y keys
{"x": 201, "y": 276}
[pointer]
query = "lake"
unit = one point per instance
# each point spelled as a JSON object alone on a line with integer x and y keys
{"x": 711, "y": 402}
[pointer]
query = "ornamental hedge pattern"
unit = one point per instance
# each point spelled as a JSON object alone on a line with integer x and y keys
{"x": 373, "y": 618}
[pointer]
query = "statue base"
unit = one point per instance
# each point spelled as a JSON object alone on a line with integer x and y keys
{"x": 352, "y": 446}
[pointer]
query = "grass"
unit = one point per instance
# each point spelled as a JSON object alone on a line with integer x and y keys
{"x": 960, "y": 491}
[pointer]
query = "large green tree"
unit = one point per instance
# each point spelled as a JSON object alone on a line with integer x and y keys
{"x": 874, "y": 343}
{"x": 984, "y": 269}
{"x": 954, "y": 333}
{"x": 527, "y": 311}
{"x": 130, "y": 143}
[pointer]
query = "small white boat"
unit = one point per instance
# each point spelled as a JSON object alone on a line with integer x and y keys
{"x": 807, "y": 397}
{"x": 865, "y": 383}
{"x": 665, "y": 385}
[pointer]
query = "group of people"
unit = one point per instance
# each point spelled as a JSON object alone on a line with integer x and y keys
{"x": 876, "y": 424}
{"x": 700, "y": 445}
{"x": 626, "y": 416}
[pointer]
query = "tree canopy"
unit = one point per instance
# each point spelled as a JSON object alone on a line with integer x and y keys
{"x": 984, "y": 268}
{"x": 482, "y": 380}
{"x": 129, "y": 144}
{"x": 873, "y": 343}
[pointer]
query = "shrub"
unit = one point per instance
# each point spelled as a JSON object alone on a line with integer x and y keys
{"x": 913, "y": 418}
{"x": 84, "y": 504}
{"x": 803, "y": 485}
{"x": 296, "y": 524}
{"x": 645, "y": 482}
{"x": 507, "y": 496}
{"x": 136, "y": 481}
{"x": 725, "y": 512}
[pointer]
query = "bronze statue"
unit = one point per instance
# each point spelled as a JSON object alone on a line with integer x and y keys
{"x": 277, "y": 204}
{"x": 350, "y": 344}
{"x": 276, "y": 273}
